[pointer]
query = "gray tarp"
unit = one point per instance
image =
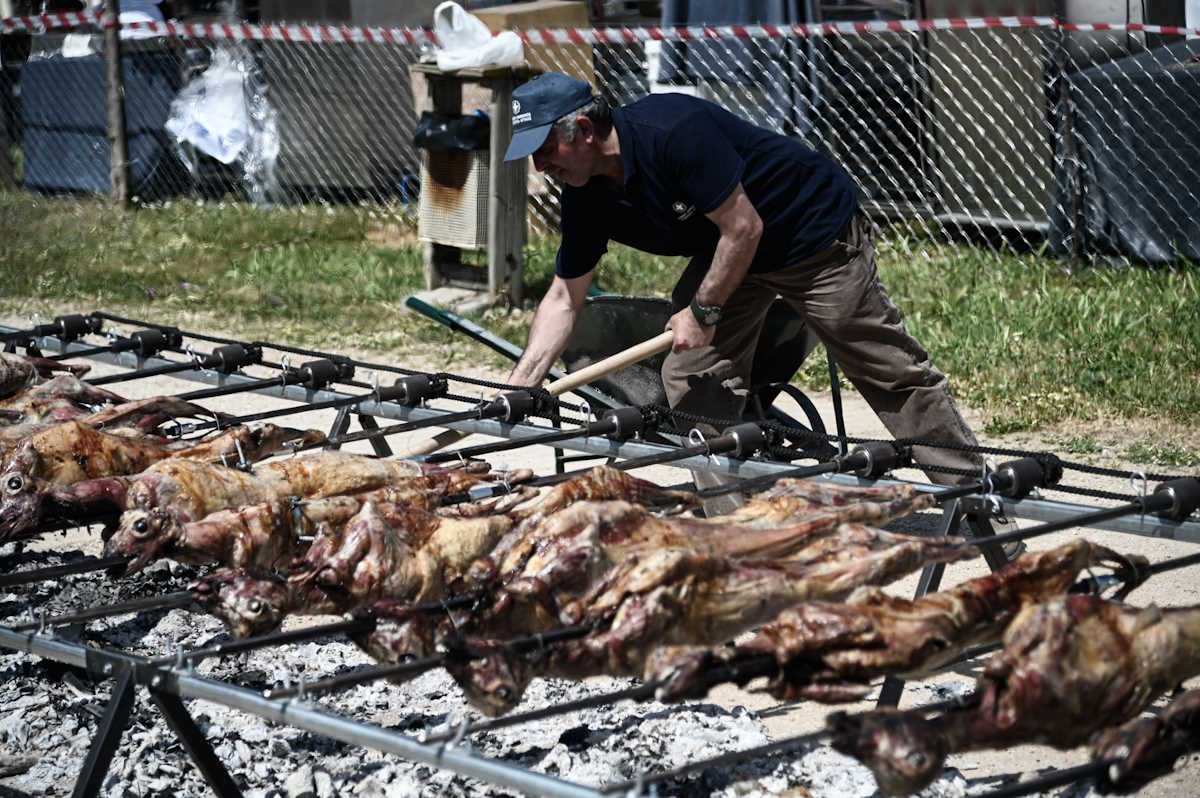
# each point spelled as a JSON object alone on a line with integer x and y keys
{"x": 1127, "y": 178}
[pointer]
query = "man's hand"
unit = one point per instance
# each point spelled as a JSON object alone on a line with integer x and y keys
{"x": 689, "y": 333}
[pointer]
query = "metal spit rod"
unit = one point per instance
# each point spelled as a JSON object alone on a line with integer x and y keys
{"x": 420, "y": 665}
{"x": 83, "y": 566}
{"x": 168, "y": 601}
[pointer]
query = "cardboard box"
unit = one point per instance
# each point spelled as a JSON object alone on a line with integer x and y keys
{"x": 572, "y": 59}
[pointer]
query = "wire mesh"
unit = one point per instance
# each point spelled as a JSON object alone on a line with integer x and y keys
{"x": 1010, "y": 134}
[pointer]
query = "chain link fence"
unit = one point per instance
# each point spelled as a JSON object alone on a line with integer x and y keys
{"x": 1011, "y": 134}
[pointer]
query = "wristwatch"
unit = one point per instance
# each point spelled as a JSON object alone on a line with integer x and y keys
{"x": 707, "y": 315}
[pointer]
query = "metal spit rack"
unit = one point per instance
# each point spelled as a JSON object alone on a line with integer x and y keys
{"x": 324, "y": 382}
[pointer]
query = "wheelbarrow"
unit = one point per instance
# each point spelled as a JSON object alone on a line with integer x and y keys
{"x": 611, "y": 323}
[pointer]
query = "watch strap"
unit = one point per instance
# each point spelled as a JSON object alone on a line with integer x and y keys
{"x": 706, "y": 315}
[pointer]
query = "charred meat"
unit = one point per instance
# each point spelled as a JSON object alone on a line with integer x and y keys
{"x": 832, "y": 651}
{"x": 73, "y": 453}
{"x": 1147, "y": 748}
{"x": 18, "y": 374}
{"x": 655, "y": 596}
{"x": 161, "y": 501}
{"x": 1070, "y": 667}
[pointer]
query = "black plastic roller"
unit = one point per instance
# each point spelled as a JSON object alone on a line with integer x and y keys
{"x": 748, "y": 438}
{"x": 414, "y": 389}
{"x": 1184, "y": 494}
{"x": 873, "y": 460}
{"x": 149, "y": 342}
{"x": 627, "y": 421}
{"x": 1017, "y": 478}
{"x": 231, "y": 357}
{"x": 74, "y": 325}
{"x": 515, "y": 405}
{"x": 319, "y": 373}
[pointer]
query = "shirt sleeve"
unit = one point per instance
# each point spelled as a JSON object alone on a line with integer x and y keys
{"x": 703, "y": 162}
{"x": 584, "y": 234}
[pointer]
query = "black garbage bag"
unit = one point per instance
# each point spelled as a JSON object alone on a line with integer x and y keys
{"x": 449, "y": 132}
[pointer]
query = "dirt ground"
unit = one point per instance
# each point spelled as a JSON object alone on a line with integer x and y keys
{"x": 1175, "y": 588}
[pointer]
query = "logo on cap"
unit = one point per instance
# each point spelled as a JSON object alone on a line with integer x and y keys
{"x": 516, "y": 106}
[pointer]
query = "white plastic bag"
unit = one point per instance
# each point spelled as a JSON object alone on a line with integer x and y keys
{"x": 210, "y": 112}
{"x": 464, "y": 41}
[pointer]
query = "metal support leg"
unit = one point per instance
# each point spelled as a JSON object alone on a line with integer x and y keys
{"x": 341, "y": 425}
{"x": 108, "y": 736}
{"x": 835, "y": 388}
{"x": 195, "y": 743}
{"x": 559, "y": 454}
{"x": 380, "y": 444}
{"x": 979, "y": 526}
{"x": 931, "y": 578}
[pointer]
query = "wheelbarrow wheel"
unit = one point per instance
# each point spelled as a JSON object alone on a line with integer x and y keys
{"x": 810, "y": 410}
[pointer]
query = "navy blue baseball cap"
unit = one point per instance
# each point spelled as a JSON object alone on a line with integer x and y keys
{"x": 538, "y": 104}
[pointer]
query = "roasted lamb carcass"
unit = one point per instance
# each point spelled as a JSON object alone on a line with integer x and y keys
{"x": 173, "y": 493}
{"x": 266, "y": 535}
{"x": 1070, "y": 667}
{"x": 832, "y": 651}
{"x": 652, "y": 596}
{"x": 65, "y": 388}
{"x": 73, "y": 453}
{"x": 596, "y": 530}
{"x": 19, "y": 374}
{"x": 129, "y": 419}
{"x": 602, "y": 483}
{"x": 403, "y": 553}
{"x": 394, "y": 552}
{"x": 1147, "y": 748}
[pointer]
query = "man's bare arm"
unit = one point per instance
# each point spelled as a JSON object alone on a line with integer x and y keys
{"x": 552, "y": 325}
{"x": 741, "y": 230}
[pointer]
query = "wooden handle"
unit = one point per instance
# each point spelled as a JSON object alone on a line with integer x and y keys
{"x": 430, "y": 445}
{"x": 582, "y": 377}
{"x": 610, "y": 364}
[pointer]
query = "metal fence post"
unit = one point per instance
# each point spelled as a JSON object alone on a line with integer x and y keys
{"x": 118, "y": 170}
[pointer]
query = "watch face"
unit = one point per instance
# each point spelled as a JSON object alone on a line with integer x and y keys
{"x": 707, "y": 315}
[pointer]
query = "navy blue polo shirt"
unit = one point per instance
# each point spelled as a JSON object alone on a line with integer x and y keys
{"x": 682, "y": 158}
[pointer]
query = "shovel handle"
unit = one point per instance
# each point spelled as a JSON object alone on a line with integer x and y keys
{"x": 610, "y": 364}
{"x": 585, "y": 375}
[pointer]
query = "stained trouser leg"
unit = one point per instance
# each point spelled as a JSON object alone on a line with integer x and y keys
{"x": 845, "y": 304}
{"x": 714, "y": 381}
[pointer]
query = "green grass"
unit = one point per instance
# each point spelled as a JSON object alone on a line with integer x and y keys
{"x": 1020, "y": 338}
{"x": 1167, "y": 454}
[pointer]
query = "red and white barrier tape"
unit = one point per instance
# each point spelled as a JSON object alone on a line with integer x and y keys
{"x": 72, "y": 19}
{"x": 330, "y": 34}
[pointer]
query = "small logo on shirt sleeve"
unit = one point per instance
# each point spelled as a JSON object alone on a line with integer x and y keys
{"x": 683, "y": 210}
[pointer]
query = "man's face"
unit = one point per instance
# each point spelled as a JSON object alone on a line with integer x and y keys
{"x": 566, "y": 162}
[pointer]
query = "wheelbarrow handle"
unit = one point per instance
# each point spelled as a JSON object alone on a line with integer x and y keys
{"x": 585, "y": 375}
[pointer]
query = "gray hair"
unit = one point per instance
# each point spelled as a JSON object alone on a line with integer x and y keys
{"x": 596, "y": 110}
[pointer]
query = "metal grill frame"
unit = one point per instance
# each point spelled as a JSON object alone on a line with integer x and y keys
{"x": 169, "y": 684}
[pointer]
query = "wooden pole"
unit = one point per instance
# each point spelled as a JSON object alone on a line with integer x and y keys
{"x": 591, "y": 373}
{"x": 118, "y": 171}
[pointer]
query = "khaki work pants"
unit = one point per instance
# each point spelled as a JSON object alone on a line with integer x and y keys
{"x": 839, "y": 293}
